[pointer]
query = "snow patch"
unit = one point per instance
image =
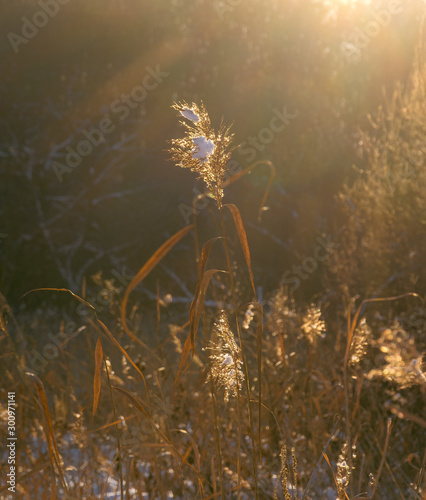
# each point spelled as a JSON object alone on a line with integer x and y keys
{"x": 203, "y": 148}
{"x": 189, "y": 113}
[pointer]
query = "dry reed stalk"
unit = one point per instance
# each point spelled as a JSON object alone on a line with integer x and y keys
{"x": 117, "y": 434}
{"x": 205, "y": 152}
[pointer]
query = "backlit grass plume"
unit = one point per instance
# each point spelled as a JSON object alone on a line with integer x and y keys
{"x": 201, "y": 149}
{"x": 225, "y": 359}
{"x": 313, "y": 326}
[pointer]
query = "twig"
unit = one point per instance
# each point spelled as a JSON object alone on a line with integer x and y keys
{"x": 382, "y": 461}
{"x": 313, "y": 475}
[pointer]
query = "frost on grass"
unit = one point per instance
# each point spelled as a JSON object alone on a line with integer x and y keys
{"x": 225, "y": 359}
{"x": 201, "y": 149}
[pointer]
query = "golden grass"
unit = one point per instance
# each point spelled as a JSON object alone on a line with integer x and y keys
{"x": 152, "y": 420}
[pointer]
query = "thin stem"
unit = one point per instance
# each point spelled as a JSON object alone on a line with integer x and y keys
{"x": 347, "y": 413}
{"x": 246, "y": 377}
{"x": 120, "y": 458}
{"x": 383, "y": 460}
{"x": 212, "y": 386}
{"x": 217, "y": 437}
{"x": 215, "y": 415}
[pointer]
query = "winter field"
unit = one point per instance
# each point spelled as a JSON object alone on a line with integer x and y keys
{"x": 212, "y": 249}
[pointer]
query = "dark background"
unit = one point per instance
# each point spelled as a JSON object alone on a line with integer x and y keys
{"x": 112, "y": 211}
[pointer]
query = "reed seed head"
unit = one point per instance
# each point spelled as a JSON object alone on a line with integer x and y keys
{"x": 225, "y": 359}
{"x": 344, "y": 471}
{"x": 284, "y": 473}
{"x": 313, "y": 326}
{"x": 202, "y": 150}
{"x": 402, "y": 362}
{"x": 362, "y": 335}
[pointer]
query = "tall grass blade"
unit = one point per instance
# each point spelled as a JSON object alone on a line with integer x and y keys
{"x": 205, "y": 252}
{"x": 184, "y": 356}
{"x": 50, "y": 435}
{"x": 147, "y": 268}
{"x": 53, "y": 494}
{"x": 99, "y": 354}
{"x": 259, "y": 336}
{"x": 243, "y": 239}
{"x": 119, "y": 456}
{"x": 323, "y": 455}
{"x": 62, "y": 290}
{"x": 199, "y": 304}
{"x": 124, "y": 352}
{"x": 259, "y": 332}
{"x": 189, "y": 345}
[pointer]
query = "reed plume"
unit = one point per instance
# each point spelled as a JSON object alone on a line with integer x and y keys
{"x": 225, "y": 359}
{"x": 202, "y": 150}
